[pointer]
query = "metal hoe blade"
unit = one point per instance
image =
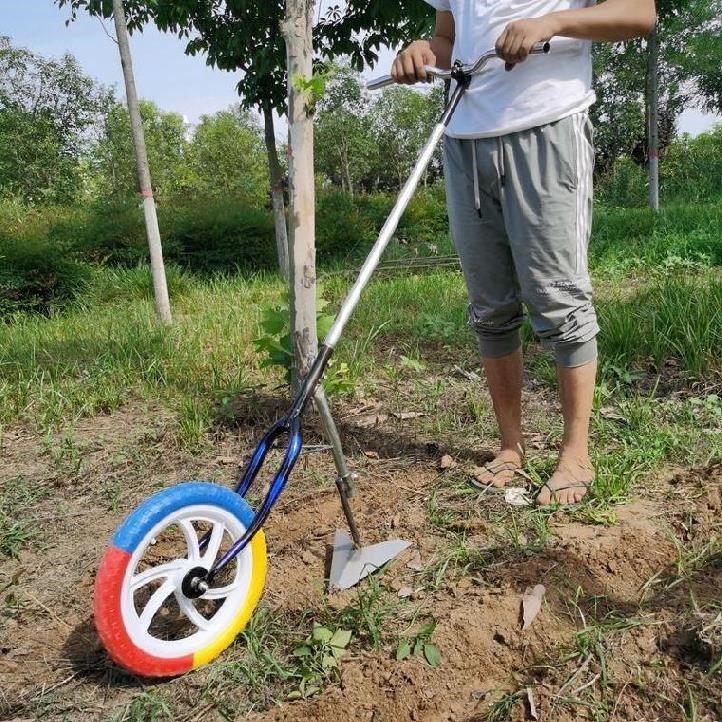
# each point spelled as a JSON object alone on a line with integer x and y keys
{"x": 349, "y": 564}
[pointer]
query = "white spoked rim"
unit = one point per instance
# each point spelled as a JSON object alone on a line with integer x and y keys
{"x": 168, "y": 577}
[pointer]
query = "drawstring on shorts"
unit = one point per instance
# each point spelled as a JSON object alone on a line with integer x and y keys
{"x": 502, "y": 162}
{"x": 477, "y": 194}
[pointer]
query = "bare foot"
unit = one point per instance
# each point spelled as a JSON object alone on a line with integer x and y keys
{"x": 569, "y": 484}
{"x": 499, "y": 472}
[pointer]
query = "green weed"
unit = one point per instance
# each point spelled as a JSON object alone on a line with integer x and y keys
{"x": 419, "y": 643}
{"x": 318, "y": 657}
{"x": 458, "y": 559}
{"x": 17, "y": 496}
{"x": 146, "y": 707}
{"x": 13, "y": 535}
{"x": 261, "y": 670}
{"x": 369, "y": 614}
{"x": 501, "y": 709}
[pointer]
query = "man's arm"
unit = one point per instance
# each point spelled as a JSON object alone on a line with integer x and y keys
{"x": 409, "y": 64}
{"x": 610, "y": 21}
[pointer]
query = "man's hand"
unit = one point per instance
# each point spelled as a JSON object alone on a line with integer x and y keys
{"x": 409, "y": 66}
{"x": 520, "y": 36}
{"x": 609, "y": 21}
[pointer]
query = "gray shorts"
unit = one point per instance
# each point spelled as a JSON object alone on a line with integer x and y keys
{"x": 520, "y": 208}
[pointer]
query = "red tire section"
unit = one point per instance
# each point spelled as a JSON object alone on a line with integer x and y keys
{"x": 111, "y": 629}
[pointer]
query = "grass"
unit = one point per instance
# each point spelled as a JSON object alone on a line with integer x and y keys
{"x": 261, "y": 669}
{"x": 17, "y": 497}
{"x": 266, "y": 666}
{"x": 660, "y": 308}
{"x": 59, "y": 369}
{"x": 146, "y": 707}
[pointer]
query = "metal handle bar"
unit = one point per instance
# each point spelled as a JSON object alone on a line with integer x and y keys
{"x": 385, "y": 80}
{"x": 472, "y": 69}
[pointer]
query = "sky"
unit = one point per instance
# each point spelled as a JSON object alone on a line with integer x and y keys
{"x": 164, "y": 74}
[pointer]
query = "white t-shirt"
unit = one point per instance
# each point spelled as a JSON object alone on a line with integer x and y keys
{"x": 541, "y": 90}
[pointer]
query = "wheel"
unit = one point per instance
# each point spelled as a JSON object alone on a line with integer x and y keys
{"x": 146, "y": 623}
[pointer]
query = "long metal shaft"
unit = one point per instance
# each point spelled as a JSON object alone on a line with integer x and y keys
{"x": 344, "y": 478}
{"x": 389, "y": 228}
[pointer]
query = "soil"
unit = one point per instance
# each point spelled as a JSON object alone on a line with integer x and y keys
{"x": 623, "y": 578}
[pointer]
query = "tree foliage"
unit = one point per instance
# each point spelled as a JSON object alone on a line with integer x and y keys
{"x": 49, "y": 110}
{"x": 245, "y": 35}
{"x": 689, "y": 76}
{"x": 222, "y": 157}
{"x": 227, "y": 158}
{"x": 403, "y": 120}
{"x": 371, "y": 141}
{"x": 167, "y": 146}
{"x": 344, "y": 136}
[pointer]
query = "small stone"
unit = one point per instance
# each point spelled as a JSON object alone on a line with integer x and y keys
{"x": 447, "y": 462}
{"x": 415, "y": 563}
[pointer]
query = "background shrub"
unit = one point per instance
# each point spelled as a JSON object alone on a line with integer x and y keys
{"x": 37, "y": 276}
{"x": 219, "y": 235}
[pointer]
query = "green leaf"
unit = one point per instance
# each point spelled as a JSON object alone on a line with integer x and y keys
{"x": 324, "y": 323}
{"x": 418, "y": 647}
{"x": 427, "y": 629}
{"x": 321, "y": 634}
{"x": 412, "y": 364}
{"x": 432, "y": 654}
{"x": 275, "y": 321}
{"x": 295, "y": 694}
{"x": 338, "y": 652}
{"x": 328, "y": 661}
{"x": 341, "y": 638}
{"x": 302, "y": 651}
{"x": 403, "y": 651}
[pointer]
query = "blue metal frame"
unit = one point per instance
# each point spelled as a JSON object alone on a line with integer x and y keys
{"x": 290, "y": 425}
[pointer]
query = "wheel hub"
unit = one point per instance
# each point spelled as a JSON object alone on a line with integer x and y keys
{"x": 195, "y": 583}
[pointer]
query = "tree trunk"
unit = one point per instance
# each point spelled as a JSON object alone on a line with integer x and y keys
{"x": 349, "y": 182}
{"x": 302, "y": 228}
{"x": 279, "y": 205}
{"x": 653, "y": 118}
{"x": 346, "y": 167}
{"x": 160, "y": 286}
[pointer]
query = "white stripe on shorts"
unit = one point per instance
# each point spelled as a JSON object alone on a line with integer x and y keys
{"x": 584, "y": 180}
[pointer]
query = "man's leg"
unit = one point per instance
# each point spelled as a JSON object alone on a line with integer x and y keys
{"x": 547, "y": 204}
{"x": 504, "y": 378}
{"x": 495, "y": 310}
{"x": 574, "y": 473}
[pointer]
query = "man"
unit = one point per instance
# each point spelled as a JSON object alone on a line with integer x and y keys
{"x": 518, "y": 161}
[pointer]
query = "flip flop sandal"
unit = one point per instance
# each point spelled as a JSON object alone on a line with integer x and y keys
{"x": 497, "y": 467}
{"x": 587, "y": 485}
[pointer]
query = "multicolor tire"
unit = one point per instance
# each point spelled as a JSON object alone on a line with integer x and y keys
{"x": 140, "y": 635}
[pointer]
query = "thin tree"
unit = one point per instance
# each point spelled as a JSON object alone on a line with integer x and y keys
{"x": 160, "y": 286}
{"x": 297, "y": 31}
